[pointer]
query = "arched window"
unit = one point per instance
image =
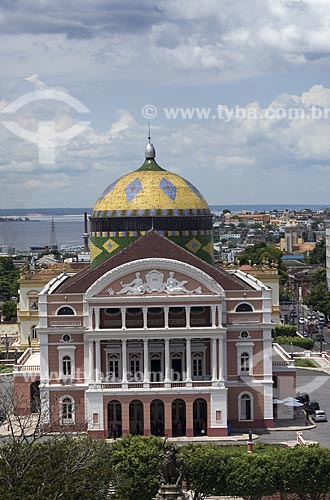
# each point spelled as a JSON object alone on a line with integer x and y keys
{"x": 245, "y": 362}
{"x": 66, "y": 365}
{"x": 114, "y": 365}
{"x": 34, "y": 332}
{"x": 245, "y": 407}
{"x": 135, "y": 367}
{"x": 244, "y": 308}
{"x": 67, "y": 410}
{"x": 65, "y": 311}
{"x": 197, "y": 364}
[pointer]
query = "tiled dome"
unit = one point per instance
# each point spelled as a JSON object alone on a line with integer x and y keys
{"x": 150, "y": 198}
{"x": 150, "y": 190}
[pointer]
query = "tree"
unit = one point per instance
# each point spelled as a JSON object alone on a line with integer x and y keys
{"x": 285, "y": 330}
{"x": 59, "y": 467}
{"x": 254, "y": 476}
{"x": 319, "y": 296}
{"x": 137, "y": 465}
{"x": 317, "y": 256}
{"x": 9, "y": 310}
{"x": 205, "y": 470}
{"x": 9, "y": 276}
{"x": 305, "y": 471}
{"x": 68, "y": 468}
{"x": 5, "y": 289}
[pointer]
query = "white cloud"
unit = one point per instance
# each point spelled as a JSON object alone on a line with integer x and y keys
{"x": 178, "y": 37}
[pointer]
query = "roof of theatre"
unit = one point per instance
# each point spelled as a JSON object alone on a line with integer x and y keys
{"x": 152, "y": 245}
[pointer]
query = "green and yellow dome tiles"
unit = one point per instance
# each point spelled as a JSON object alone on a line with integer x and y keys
{"x": 150, "y": 198}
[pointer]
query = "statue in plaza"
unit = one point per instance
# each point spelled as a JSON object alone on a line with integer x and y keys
{"x": 171, "y": 467}
{"x": 171, "y": 475}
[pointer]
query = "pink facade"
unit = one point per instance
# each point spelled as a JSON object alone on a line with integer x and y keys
{"x": 126, "y": 349}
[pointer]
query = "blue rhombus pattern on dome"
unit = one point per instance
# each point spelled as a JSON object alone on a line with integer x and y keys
{"x": 108, "y": 190}
{"x": 133, "y": 189}
{"x": 168, "y": 188}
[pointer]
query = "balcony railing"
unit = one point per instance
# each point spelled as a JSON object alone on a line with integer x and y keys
{"x": 156, "y": 385}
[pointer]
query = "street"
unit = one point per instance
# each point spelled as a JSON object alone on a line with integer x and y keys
{"x": 317, "y": 385}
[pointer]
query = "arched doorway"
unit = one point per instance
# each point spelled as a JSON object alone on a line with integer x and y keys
{"x": 178, "y": 418}
{"x": 136, "y": 422}
{"x": 157, "y": 417}
{"x": 200, "y": 417}
{"x": 114, "y": 419}
{"x": 35, "y": 397}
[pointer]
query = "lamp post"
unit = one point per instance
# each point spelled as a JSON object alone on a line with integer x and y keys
{"x": 250, "y": 443}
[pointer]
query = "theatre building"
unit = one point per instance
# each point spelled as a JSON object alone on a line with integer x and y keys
{"x": 152, "y": 338}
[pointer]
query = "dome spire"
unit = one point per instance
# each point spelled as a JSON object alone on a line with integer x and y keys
{"x": 150, "y": 152}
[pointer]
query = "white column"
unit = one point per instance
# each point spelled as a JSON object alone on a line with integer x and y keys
{"x": 91, "y": 318}
{"x": 188, "y": 360}
{"x": 219, "y": 308}
{"x": 187, "y": 308}
{"x": 166, "y": 311}
{"x": 214, "y": 359}
{"x": 221, "y": 360}
{"x": 97, "y": 361}
{"x": 213, "y": 309}
{"x": 97, "y": 318}
{"x": 146, "y": 361}
{"x": 167, "y": 361}
{"x": 124, "y": 360}
{"x": 91, "y": 362}
{"x": 145, "y": 317}
{"x": 123, "y": 317}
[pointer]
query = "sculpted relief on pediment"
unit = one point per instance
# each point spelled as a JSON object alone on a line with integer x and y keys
{"x": 155, "y": 282}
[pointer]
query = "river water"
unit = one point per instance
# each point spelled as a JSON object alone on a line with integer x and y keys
{"x": 36, "y": 232}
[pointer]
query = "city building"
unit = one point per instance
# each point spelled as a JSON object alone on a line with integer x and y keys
{"x": 31, "y": 283}
{"x": 292, "y": 242}
{"x": 152, "y": 338}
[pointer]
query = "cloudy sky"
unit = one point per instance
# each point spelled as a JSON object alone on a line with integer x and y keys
{"x": 237, "y": 93}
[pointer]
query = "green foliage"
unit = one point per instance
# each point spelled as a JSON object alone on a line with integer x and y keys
{"x": 9, "y": 276}
{"x": 254, "y": 476}
{"x": 205, "y": 469}
{"x": 285, "y": 330}
{"x": 306, "y": 363}
{"x": 9, "y": 310}
{"x": 317, "y": 256}
{"x": 259, "y": 251}
{"x": 137, "y": 464}
{"x": 319, "y": 295}
{"x": 68, "y": 469}
{"x": 84, "y": 469}
{"x": 305, "y": 471}
{"x": 298, "y": 341}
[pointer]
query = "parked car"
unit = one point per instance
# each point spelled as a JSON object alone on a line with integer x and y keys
{"x": 313, "y": 406}
{"x": 319, "y": 416}
{"x": 302, "y": 397}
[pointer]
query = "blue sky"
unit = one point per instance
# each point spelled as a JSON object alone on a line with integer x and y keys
{"x": 263, "y": 57}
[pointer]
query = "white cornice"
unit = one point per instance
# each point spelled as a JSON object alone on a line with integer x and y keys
{"x": 162, "y": 300}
